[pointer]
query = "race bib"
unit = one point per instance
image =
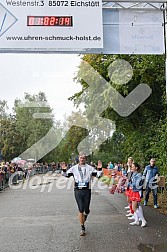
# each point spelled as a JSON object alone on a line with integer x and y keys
{"x": 82, "y": 184}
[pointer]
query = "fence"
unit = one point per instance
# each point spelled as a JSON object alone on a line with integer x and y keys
{"x": 27, "y": 173}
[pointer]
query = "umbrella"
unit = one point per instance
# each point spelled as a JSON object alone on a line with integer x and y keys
{"x": 14, "y": 160}
{"x": 20, "y": 161}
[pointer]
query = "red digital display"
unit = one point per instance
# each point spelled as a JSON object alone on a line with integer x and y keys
{"x": 49, "y": 21}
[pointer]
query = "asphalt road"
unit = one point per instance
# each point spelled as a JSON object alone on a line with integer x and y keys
{"x": 33, "y": 219}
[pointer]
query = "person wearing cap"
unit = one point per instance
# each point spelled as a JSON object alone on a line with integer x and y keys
{"x": 82, "y": 174}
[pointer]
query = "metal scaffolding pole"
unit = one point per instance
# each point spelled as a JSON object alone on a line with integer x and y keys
{"x": 165, "y": 32}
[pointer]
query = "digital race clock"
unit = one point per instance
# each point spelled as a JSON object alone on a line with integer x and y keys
{"x": 49, "y": 21}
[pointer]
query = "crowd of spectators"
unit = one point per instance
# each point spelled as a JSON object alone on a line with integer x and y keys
{"x": 26, "y": 170}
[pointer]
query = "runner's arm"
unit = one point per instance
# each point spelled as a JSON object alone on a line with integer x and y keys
{"x": 69, "y": 173}
{"x": 96, "y": 173}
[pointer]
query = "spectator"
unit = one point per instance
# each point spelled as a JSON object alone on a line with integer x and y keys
{"x": 63, "y": 167}
{"x": 135, "y": 185}
{"x": 2, "y": 174}
{"x": 151, "y": 174}
{"x": 128, "y": 190}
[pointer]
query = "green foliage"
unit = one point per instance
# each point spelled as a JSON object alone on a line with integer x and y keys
{"x": 21, "y": 130}
{"x": 159, "y": 145}
{"x": 143, "y": 133}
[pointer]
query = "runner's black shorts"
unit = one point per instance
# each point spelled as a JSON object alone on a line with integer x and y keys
{"x": 83, "y": 197}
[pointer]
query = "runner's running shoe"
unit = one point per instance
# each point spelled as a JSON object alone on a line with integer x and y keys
{"x": 82, "y": 232}
{"x": 127, "y": 207}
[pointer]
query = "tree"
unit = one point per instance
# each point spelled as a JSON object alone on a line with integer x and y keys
{"x": 7, "y": 132}
{"x": 21, "y": 130}
{"x": 139, "y": 128}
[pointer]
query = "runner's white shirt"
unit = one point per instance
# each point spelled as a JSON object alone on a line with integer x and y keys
{"x": 82, "y": 173}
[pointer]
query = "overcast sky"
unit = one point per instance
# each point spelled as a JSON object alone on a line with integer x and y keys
{"x": 52, "y": 74}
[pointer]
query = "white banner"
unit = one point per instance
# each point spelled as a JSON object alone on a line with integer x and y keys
{"x": 50, "y": 24}
{"x": 141, "y": 31}
{"x": 128, "y": 31}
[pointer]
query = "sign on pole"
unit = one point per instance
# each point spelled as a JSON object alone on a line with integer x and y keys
{"x": 129, "y": 31}
{"x": 53, "y": 26}
{"x": 30, "y": 24}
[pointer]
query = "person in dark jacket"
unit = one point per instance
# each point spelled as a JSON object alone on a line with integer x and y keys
{"x": 150, "y": 175}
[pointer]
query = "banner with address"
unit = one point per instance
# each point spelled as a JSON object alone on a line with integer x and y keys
{"x": 50, "y": 24}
